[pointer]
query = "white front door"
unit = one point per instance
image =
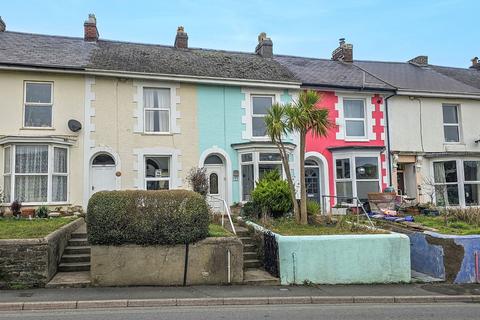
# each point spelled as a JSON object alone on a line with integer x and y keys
{"x": 102, "y": 178}
{"x": 217, "y": 186}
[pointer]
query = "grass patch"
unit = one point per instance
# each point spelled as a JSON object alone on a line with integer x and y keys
{"x": 453, "y": 226}
{"x": 215, "y": 230}
{"x": 11, "y": 228}
{"x": 288, "y": 227}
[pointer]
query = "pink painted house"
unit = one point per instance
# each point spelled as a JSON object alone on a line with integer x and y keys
{"x": 352, "y": 160}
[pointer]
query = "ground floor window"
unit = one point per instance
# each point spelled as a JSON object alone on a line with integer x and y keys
{"x": 356, "y": 176}
{"x": 254, "y": 165}
{"x": 457, "y": 182}
{"x": 35, "y": 173}
{"x": 157, "y": 173}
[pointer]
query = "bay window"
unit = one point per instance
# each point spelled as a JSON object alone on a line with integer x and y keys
{"x": 157, "y": 173}
{"x": 36, "y": 173}
{"x": 260, "y": 107}
{"x": 355, "y": 118}
{"x": 38, "y": 103}
{"x": 156, "y": 110}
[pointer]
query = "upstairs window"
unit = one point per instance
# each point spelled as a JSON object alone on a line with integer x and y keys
{"x": 451, "y": 127}
{"x": 260, "y": 107}
{"x": 38, "y": 104}
{"x": 156, "y": 106}
{"x": 354, "y": 115}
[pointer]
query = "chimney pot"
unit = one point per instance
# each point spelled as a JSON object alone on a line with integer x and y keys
{"x": 421, "y": 61}
{"x": 90, "y": 29}
{"x": 3, "y": 26}
{"x": 181, "y": 39}
{"x": 344, "y": 52}
{"x": 265, "y": 46}
{"x": 475, "y": 63}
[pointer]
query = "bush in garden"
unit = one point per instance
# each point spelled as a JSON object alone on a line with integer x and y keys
{"x": 198, "y": 180}
{"x": 251, "y": 211}
{"x": 165, "y": 217}
{"x": 313, "y": 208}
{"x": 42, "y": 212}
{"x": 272, "y": 194}
{"x": 468, "y": 215}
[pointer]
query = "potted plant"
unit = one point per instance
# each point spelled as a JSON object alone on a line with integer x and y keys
{"x": 339, "y": 210}
{"x": 42, "y": 212}
{"x": 16, "y": 209}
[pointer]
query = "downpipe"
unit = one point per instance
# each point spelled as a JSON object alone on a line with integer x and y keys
{"x": 229, "y": 268}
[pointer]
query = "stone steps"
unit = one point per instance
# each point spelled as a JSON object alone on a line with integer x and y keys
{"x": 252, "y": 263}
{"x": 259, "y": 277}
{"x": 75, "y": 242}
{"x": 77, "y": 235}
{"x": 77, "y": 250}
{"x": 68, "y": 258}
{"x": 74, "y": 266}
{"x": 249, "y": 255}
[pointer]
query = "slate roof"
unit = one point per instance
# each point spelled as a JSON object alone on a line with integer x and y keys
{"x": 68, "y": 52}
{"x": 329, "y": 73}
{"x": 469, "y": 76}
{"x": 406, "y": 76}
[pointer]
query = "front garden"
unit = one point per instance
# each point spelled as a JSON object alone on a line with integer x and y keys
{"x": 12, "y": 228}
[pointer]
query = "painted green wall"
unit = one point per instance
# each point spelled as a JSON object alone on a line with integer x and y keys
{"x": 344, "y": 259}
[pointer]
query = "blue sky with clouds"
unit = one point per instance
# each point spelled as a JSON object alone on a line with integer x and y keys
{"x": 445, "y": 30}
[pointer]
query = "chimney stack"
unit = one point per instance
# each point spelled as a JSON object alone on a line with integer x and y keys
{"x": 3, "y": 26}
{"x": 90, "y": 29}
{"x": 475, "y": 63}
{"x": 181, "y": 39}
{"x": 344, "y": 52}
{"x": 421, "y": 61}
{"x": 265, "y": 46}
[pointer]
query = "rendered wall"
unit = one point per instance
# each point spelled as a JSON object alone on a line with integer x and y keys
{"x": 343, "y": 259}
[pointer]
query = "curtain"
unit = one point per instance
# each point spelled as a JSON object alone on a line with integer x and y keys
{"x": 31, "y": 188}
{"x": 31, "y": 159}
{"x": 439, "y": 172}
{"x": 59, "y": 188}
{"x": 60, "y": 160}
{"x": 157, "y": 120}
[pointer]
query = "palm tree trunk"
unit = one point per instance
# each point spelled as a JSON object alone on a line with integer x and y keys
{"x": 286, "y": 165}
{"x": 303, "y": 191}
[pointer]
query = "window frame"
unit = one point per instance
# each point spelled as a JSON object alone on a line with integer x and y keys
{"x": 253, "y": 115}
{"x": 7, "y": 174}
{"x": 169, "y": 109}
{"x": 457, "y": 125}
{"x": 147, "y": 179}
{"x": 37, "y": 104}
{"x": 364, "y": 119}
{"x": 50, "y": 172}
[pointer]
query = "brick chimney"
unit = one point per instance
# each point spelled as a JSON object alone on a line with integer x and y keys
{"x": 3, "y": 26}
{"x": 265, "y": 46}
{"x": 475, "y": 63}
{"x": 90, "y": 29}
{"x": 344, "y": 52}
{"x": 421, "y": 61}
{"x": 181, "y": 39}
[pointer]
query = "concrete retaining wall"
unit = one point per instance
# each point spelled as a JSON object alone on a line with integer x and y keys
{"x": 33, "y": 262}
{"x": 129, "y": 265}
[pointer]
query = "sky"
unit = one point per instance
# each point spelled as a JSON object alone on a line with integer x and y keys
{"x": 447, "y": 31}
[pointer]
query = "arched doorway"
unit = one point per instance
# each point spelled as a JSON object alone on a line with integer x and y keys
{"x": 102, "y": 173}
{"x": 215, "y": 171}
{"x": 313, "y": 180}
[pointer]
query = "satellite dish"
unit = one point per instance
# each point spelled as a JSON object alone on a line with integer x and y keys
{"x": 74, "y": 125}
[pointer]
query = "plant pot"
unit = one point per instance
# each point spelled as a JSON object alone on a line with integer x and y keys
{"x": 28, "y": 212}
{"x": 339, "y": 211}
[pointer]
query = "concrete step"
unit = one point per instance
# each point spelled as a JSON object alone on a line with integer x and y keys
{"x": 242, "y": 231}
{"x": 259, "y": 277}
{"x": 70, "y": 280}
{"x": 246, "y": 240}
{"x": 77, "y": 235}
{"x": 249, "y": 255}
{"x": 67, "y": 258}
{"x": 252, "y": 263}
{"x": 250, "y": 247}
{"x": 77, "y": 242}
{"x": 74, "y": 266}
{"x": 77, "y": 250}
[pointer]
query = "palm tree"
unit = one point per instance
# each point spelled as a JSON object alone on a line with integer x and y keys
{"x": 276, "y": 124}
{"x": 304, "y": 117}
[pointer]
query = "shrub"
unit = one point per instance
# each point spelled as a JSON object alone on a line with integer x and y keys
{"x": 251, "y": 210}
{"x": 273, "y": 194}
{"x": 313, "y": 208}
{"x": 197, "y": 178}
{"x": 147, "y": 217}
{"x": 16, "y": 208}
{"x": 42, "y": 212}
{"x": 468, "y": 215}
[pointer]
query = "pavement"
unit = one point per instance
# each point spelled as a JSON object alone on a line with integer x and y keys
{"x": 122, "y": 297}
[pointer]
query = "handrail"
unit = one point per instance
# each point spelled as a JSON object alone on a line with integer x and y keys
{"x": 357, "y": 202}
{"x": 228, "y": 211}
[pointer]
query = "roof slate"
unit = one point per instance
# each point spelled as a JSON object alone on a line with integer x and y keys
{"x": 470, "y": 77}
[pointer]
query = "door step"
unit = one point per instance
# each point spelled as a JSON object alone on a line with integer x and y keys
{"x": 73, "y": 266}
{"x": 70, "y": 280}
{"x": 259, "y": 277}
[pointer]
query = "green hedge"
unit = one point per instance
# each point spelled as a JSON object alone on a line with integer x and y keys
{"x": 147, "y": 217}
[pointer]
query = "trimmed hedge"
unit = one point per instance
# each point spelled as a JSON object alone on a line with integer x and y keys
{"x": 163, "y": 217}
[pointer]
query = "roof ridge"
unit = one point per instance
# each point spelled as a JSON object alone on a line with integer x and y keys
{"x": 45, "y": 35}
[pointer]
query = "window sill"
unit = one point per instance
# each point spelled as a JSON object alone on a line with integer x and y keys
{"x": 35, "y": 204}
{"x": 38, "y": 128}
{"x": 156, "y": 134}
{"x": 351, "y": 139}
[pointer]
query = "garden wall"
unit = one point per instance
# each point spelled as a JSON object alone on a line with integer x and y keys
{"x": 33, "y": 262}
{"x": 128, "y": 265}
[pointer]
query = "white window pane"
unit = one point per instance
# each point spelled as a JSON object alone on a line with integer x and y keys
{"x": 60, "y": 160}
{"x": 344, "y": 189}
{"x": 354, "y": 108}
{"x": 366, "y": 187}
{"x": 248, "y": 182}
{"x": 263, "y": 168}
{"x": 6, "y": 189}
{"x": 38, "y": 92}
{"x": 355, "y": 128}
{"x": 472, "y": 194}
{"x": 158, "y": 185}
{"x": 156, "y": 98}
{"x": 447, "y": 195}
{"x": 445, "y": 171}
{"x": 6, "y": 160}
{"x": 451, "y": 134}
{"x": 157, "y": 167}
{"x": 270, "y": 157}
{"x": 31, "y": 159}
{"x": 259, "y": 127}
{"x": 472, "y": 170}
{"x": 261, "y": 104}
{"x": 38, "y": 116}
{"x": 157, "y": 121}
{"x": 343, "y": 168}
{"x": 31, "y": 188}
{"x": 366, "y": 167}
{"x": 59, "y": 188}
{"x": 450, "y": 114}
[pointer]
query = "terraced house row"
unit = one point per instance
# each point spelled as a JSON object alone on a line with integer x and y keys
{"x": 80, "y": 115}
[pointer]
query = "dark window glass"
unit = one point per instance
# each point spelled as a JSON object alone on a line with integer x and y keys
{"x": 103, "y": 160}
{"x": 213, "y": 181}
{"x": 213, "y": 159}
{"x": 343, "y": 168}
